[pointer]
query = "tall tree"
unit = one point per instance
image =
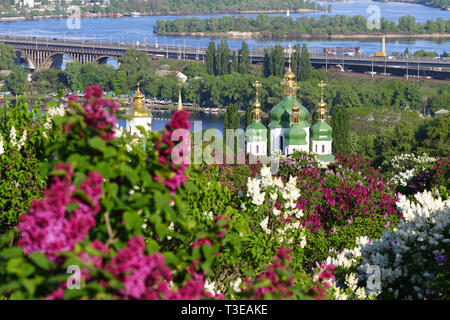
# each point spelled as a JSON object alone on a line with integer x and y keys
{"x": 7, "y": 55}
{"x": 244, "y": 59}
{"x": 137, "y": 67}
{"x": 295, "y": 63}
{"x": 305, "y": 64}
{"x": 231, "y": 117}
{"x": 266, "y": 64}
{"x": 249, "y": 115}
{"x": 17, "y": 80}
{"x": 225, "y": 58}
{"x": 340, "y": 125}
{"x": 211, "y": 58}
{"x": 234, "y": 63}
{"x": 277, "y": 61}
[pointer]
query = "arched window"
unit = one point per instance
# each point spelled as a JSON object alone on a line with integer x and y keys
{"x": 316, "y": 148}
{"x": 281, "y": 143}
{"x": 323, "y": 148}
{"x": 257, "y": 149}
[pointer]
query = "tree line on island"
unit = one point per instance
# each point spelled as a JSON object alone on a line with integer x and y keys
{"x": 280, "y": 26}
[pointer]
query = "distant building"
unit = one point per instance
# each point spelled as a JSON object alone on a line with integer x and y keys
{"x": 441, "y": 112}
{"x": 289, "y": 130}
{"x": 29, "y": 3}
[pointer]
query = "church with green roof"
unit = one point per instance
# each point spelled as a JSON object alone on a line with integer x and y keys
{"x": 289, "y": 129}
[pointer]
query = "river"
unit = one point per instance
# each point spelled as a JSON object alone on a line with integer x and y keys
{"x": 208, "y": 120}
{"x": 131, "y": 30}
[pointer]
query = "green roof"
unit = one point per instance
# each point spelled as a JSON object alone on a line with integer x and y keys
{"x": 321, "y": 131}
{"x": 280, "y": 115}
{"x": 326, "y": 157}
{"x": 256, "y": 131}
{"x": 295, "y": 135}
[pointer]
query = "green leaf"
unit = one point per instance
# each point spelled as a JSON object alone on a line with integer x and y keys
{"x": 130, "y": 174}
{"x": 19, "y": 267}
{"x": 70, "y": 294}
{"x": 97, "y": 143}
{"x": 132, "y": 221}
{"x": 41, "y": 260}
{"x": 10, "y": 253}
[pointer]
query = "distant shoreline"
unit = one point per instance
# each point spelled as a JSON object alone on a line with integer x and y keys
{"x": 259, "y": 36}
{"x": 169, "y": 13}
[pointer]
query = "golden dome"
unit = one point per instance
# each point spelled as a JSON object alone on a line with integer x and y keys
{"x": 322, "y": 104}
{"x": 257, "y": 104}
{"x": 138, "y": 94}
{"x": 289, "y": 75}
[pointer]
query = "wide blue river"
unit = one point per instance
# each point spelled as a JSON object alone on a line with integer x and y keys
{"x": 127, "y": 29}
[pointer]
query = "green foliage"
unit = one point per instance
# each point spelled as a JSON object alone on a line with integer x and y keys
{"x": 304, "y": 65}
{"x": 20, "y": 175}
{"x": 232, "y": 117}
{"x": 17, "y": 80}
{"x": 7, "y": 55}
{"x": 137, "y": 68}
{"x": 341, "y": 130}
{"x": 281, "y": 27}
{"x": 244, "y": 59}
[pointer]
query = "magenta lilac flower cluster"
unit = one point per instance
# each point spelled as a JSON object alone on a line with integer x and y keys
{"x": 164, "y": 148}
{"x": 98, "y": 113}
{"x": 49, "y": 227}
{"x": 280, "y": 279}
{"x": 349, "y": 188}
{"x": 323, "y": 281}
{"x": 438, "y": 175}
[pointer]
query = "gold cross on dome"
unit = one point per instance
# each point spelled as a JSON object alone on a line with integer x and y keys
{"x": 321, "y": 85}
{"x": 289, "y": 51}
{"x": 257, "y": 85}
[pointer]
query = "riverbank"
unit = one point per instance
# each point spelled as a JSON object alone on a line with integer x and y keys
{"x": 430, "y": 4}
{"x": 262, "y": 36}
{"x": 167, "y": 13}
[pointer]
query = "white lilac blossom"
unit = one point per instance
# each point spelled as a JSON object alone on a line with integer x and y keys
{"x": 51, "y": 113}
{"x": 13, "y": 137}
{"x": 264, "y": 224}
{"x": 209, "y": 216}
{"x": 211, "y": 287}
{"x": 403, "y": 253}
{"x": 235, "y": 285}
{"x": 285, "y": 226}
{"x": 22, "y": 140}
{"x": 407, "y": 166}
{"x": 2, "y": 148}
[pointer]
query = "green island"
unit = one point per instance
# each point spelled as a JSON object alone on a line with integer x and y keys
{"x": 288, "y": 28}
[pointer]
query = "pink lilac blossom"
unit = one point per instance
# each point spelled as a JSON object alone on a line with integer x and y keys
{"x": 96, "y": 116}
{"x": 147, "y": 276}
{"x": 49, "y": 227}
{"x": 325, "y": 275}
{"x": 278, "y": 286}
{"x": 164, "y": 149}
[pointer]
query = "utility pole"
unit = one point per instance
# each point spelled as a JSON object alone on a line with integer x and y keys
{"x": 418, "y": 68}
{"x": 407, "y": 76}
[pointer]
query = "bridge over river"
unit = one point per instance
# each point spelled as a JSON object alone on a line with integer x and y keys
{"x": 41, "y": 53}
